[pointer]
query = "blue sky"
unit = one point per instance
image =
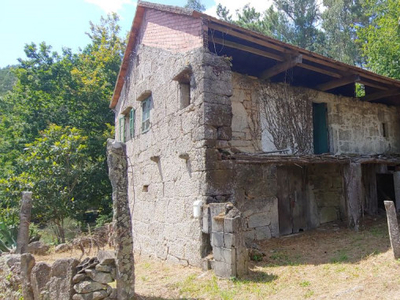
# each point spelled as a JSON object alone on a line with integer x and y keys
{"x": 62, "y": 23}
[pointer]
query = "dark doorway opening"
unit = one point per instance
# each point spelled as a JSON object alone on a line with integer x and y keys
{"x": 320, "y": 128}
{"x": 385, "y": 189}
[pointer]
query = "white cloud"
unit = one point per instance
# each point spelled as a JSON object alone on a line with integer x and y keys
{"x": 111, "y": 5}
{"x": 259, "y": 5}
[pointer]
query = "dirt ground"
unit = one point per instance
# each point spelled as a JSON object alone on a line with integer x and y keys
{"x": 332, "y": 262}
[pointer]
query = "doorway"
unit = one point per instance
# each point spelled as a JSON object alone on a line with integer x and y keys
{"x": 320, "y": 128}
{"x": 385, "y": 189}
{"x": 292, "y": 203}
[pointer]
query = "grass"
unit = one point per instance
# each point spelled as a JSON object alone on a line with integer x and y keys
{"x": 330, "y": 263}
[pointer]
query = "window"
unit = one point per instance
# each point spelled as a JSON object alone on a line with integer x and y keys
{"x": 146, "y": 107}
{"x": 384, "y": 130}
{"x": 184, "y": 88}
{"x": 132, "y": 114}
{"x": 122, "y": 129}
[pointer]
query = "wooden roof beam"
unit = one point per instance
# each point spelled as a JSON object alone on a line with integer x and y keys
{"x": 379, "y": 95}
{"x": 320, "y": 70}
{"x": 372, "y": 84}
{"x": 337, "y": 83}
{"x": 282, "y": 67}
{"x": 245, "y": 48}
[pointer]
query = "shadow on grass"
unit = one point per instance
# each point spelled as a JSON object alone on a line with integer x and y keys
{"x": 332, "y": 243}
{"x": 256, "y": 276}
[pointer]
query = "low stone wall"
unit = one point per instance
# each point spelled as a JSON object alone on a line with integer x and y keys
{"x": 65, "y": 279}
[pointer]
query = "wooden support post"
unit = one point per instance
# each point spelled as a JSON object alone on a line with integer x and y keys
{"x": 354, "y": 193}
{"x": 24, "y": 221}
{"x": 122, "y": 220}
{"x": 393, "y": 228}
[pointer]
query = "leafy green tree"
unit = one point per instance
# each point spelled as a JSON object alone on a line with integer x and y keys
{"x": 195, "y": 4}
{"x": 380, "y": 39}
{"x": 7, "y": 79}
{"x": 69, "y": 90}
{"x": 339, "y": 21}
{"x": 57, "y": 166}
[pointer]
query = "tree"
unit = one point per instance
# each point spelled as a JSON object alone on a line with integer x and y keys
{"x": 380, "y": 40}
{"x": 339, "y": 21}
{"x": 195, "y": 4}
{"x": 57, "y": 166}
{"x": 70, "y": 90}
{"x": 7, "y": 79}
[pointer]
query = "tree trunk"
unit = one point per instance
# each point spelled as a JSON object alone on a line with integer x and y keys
{"x": 25, "y": 219}
{"x": 117, "y": 171}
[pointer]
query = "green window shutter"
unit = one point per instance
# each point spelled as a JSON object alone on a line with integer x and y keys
{"x": 132, "y": 123}
{"x": 122, "y": 129}
{"x": 146, "y": 107}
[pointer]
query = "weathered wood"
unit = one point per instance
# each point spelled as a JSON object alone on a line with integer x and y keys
{"x": 282, "y": 67}
{"x": 380, "y": 95}
{"x": 24, "y": 221}
{"x": 393, "y": 228}
{"x": 320, "y": 70}
{"x": 245, "y": 48}
{"x": 353, "y": 180}
{"x": 337, "y": 83}
{"x": 122, "y": 221}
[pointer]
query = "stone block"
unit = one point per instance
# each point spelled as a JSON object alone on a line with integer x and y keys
{"x": 217, "y": 224}
{"x": 328, "y": 214}
{"x": 206, "y": 221}
{"x": 231, "y": 225}
{"x": 224, "y": 133}
{"x": 258, "y": 220}
{"x": 217, "y": 115}
{"x": 224, "y": 270}
{"x": 229, "y": 240}
{"x": 40, "y": 275}
{"x": 100, "y": 277}
{"x": 263, "y": 233}
{"x": 87, "y": 286}
{"x": 61, "y": 275}
{"x": 217, "y": 239}
{"x": 225, "y": 255}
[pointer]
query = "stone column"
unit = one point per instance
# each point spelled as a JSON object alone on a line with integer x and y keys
{"x": 396, "y": 180}
{"x": 393, "y": 228}
{"x": 27, "y": 263}
{"x": 24, "y": 220}
{"x": 122, "y": 221}
{"x": 354, "y": 193}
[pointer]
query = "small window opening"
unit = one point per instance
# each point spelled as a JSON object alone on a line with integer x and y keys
{"x": 146, "y": 107}
{"x": 132, "y": 115}
{"x": 184, "y": 88}
{"x": 122, "y": 129}
{"x": 384, "y": 130}
{"x": 145, "y": 188}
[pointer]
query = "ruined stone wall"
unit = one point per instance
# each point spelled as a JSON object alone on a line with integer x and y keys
{"x": 325, "y": 190}
{"x": 354, "y": 126}
{"x": 166, "y": 163}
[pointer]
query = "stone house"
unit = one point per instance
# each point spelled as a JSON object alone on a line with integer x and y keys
{"x": 212, "y": 113}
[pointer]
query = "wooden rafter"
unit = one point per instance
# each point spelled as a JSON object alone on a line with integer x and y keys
{"x": 245, "y": 48}
{"x": 380, "y": 95}
{"x": 337, "y": 83}
{"x": 320, "y": 70}
{"x": 373, "y": 84}
{"x": 282, "y": 67}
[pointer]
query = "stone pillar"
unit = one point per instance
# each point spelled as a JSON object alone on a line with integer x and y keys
{"x": 393, "y": 228}
{"x": 122, "y": 221}
{"x": 24, "y": 220}
{"x": 227, "y": 241}
{"x": 354, "y": 193}
{"x": 27, "y": 263}
{"x": 396, "y": 180}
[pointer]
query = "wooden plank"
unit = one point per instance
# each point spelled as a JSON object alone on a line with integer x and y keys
{"x": 282, "y": 67}
{"x": 284, "y": 205}
{"x": 337, "y": 83}
{"x": 319, "y": 70}
{"x": 380, "y": 95}
{"x": 372, "y": 84}
{"x": 245, "y": 48}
